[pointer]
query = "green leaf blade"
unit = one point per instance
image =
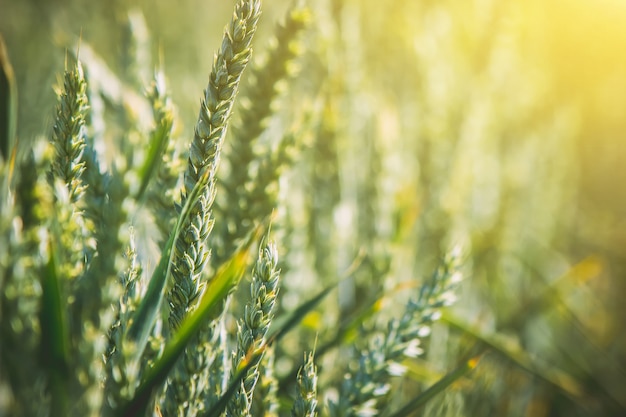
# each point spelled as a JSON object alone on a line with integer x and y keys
{"x": 437, "y": 388}
{"x": 217, "y": 290}
{"x": 54, "y": 335}
{"x": 8, "y": 104}
{"x": 147, "y": 311}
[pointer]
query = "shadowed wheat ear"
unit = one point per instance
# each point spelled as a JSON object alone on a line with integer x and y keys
{"x": 123, "y": 373}
{"x": 162, "y": 189}
{"x": 190, "y": 251}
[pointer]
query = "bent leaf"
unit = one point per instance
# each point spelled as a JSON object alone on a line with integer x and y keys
{"x": 553, "y": 376}
{"x": 218, "y": 288}
{"x": 297, "y": 315}
{"x": 146, "y": 314}
{"x": 159, "y": 138}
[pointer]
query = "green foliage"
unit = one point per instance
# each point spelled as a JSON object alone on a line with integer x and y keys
{"x": 8, "y": 102}
{"x": 156, "y": 264}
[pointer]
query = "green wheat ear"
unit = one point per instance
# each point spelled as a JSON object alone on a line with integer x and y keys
{"x": 253, "y": 328}
{"x": 211, "y": 301}
{"x": 162, "y": 189}
{"x": 190, "y": 251}
{"x": 159, "y": 136}
{"x": 204, "y": 156}
{"x": 66, "y": 175}
{"x": 305, "y": 404}
{"x": 68, "y": 132}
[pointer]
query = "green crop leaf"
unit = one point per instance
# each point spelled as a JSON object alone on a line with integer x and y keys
{"x": 148, "y": 309}
{"x": 8, "y": 104}
{"x": 345, "y": 334}
{"x": 158, "y": 143}
{"x": 219, "y": 287}
{"x": 349, "y": 330}
{"x": 511, "y": 351}
{"x": 297, "y": 315}
{"x": 436, "y": 388}
{"x": 160, "y": 135}
{"x": 54, "y": 335}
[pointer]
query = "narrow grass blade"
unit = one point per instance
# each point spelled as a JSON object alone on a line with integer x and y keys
{"x": 347, "y": 330}
{"x": 54, "y": 336}
{"x": 286, "y": 324}
{"x": 217, "y": 290}
{"x": 437, "y": 388}
{"x": 553, "y": 297}
{"x": 8, "y": 104}
{"x": 297, "y": 315}
{"x": 550, "y": 294}
{"x": 555, "y": 377}
{"x": 147, "y": 311}
{"x": 344, "y": 334}
{"x": 158, "y": 144}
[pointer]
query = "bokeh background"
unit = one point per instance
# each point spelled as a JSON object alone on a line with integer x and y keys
{"x": 499, "y": 124}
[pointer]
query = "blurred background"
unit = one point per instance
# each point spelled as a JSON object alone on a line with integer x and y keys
{"x": 497, "y": 124}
